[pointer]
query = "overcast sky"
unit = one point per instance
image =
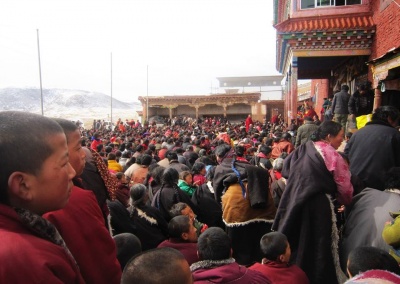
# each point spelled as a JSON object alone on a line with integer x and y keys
{"x": 186, "y": 44}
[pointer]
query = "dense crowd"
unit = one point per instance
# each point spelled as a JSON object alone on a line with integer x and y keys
{"x": 199, "y": 200}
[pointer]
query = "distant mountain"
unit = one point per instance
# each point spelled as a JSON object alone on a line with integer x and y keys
{"x": 70, "y": 104}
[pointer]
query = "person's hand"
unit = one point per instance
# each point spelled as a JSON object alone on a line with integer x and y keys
{"x": 341, "y": 209}
{"x": 205, "y": 227}
{"x": 388, "y": 223}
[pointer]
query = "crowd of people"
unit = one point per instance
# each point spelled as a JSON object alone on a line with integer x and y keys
{"x": 199, "y": 201}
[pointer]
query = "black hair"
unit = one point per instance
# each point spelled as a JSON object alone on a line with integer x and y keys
{"x": 138, "y": 193}
{"x": 130, "y": 162}
{"x": 214, "y": 244}
{"x": 362, "y": 259}
{"x": 146, "y": 160}
{"x": 119, "y": 175}
{"x": 170, "y": 177}
{"x": 156, "y": 173}
{"x": 171, "y": 156}
{"x": 222, "y": 150}
{"x": 349, "y": 134}
{"x": 383, "y": 113}
{"x": 265, "y": 149}
{"x": 210, "y": 173}
{"x": 111, "y": 156}
{"x": 326, "y": 128}
{"x": 392, "y": 178}
{"x": 344, "y": 87}
{"x": 240, "y": 150}
{"x": 273, "y": 245}
{"x": 139, "y": 159}
{"x": 207, "y": 160}
{"x": 128, "y": 245}
{"x": 118, "y": 154}
{"x": 197, "y": 167}
{"x": 176, "y": 209}
{"x": 178, "y": 225}
{"x": 99, "y": 147}
{"x": 161, "y": 265}
{"x": 286, "y": 136}
{"x": 269, "y": 141}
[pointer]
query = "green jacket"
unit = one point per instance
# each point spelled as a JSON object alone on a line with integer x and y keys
{"x": 186, "y": 188}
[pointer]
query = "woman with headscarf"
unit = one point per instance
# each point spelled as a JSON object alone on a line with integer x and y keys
{"x": 316, "y": 176}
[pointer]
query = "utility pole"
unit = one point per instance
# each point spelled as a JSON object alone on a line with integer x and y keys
{"x": 40, "y": 72}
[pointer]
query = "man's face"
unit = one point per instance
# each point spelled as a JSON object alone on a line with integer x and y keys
{"x": 188, "y": 212}
{"x": 51, "y": 188}
{"x": 76, "y": 154}
{"x": 191, "y": 235}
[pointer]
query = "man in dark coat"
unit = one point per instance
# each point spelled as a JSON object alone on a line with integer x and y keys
{"x": 340, "y": 106}
{"x": 375, "y": 148}
{"x": 361, "y": 102}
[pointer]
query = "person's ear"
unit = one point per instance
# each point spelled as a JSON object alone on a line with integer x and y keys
{"x": 185, "y": 236}
{"x": 19, "y": 185}
{"x": 281, "y": 258}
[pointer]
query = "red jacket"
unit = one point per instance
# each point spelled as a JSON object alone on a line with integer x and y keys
{"x": 94, "y": 144}
{"x": 81, "y": 224}
{"x": 189, "y": 250}
{"x": 228, "y": 273}
{"x": 27, "y": 258}
{"x": 281, "y": 273}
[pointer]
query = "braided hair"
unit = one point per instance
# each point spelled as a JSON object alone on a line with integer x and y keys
{"x": 170, "y": 178}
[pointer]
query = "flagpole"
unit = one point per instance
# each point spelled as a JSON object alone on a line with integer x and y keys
{"x": 147, "y": 100}
{"x": 40, "y": 72}
{"x": 111, "y": 119}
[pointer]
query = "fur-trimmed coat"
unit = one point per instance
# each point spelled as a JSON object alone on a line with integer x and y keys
{"x": 151, "y": 227}
{"x": 239, "y": 209}
{"x": 306, "y": 215}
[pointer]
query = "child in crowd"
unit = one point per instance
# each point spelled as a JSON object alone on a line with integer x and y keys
{"x": 363, "y": 259}
{"x": 275, "y": 265}
{"x": 186, "y": 183}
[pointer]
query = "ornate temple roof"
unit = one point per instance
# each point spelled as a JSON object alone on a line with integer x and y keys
{"x": 326, "y": 23}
